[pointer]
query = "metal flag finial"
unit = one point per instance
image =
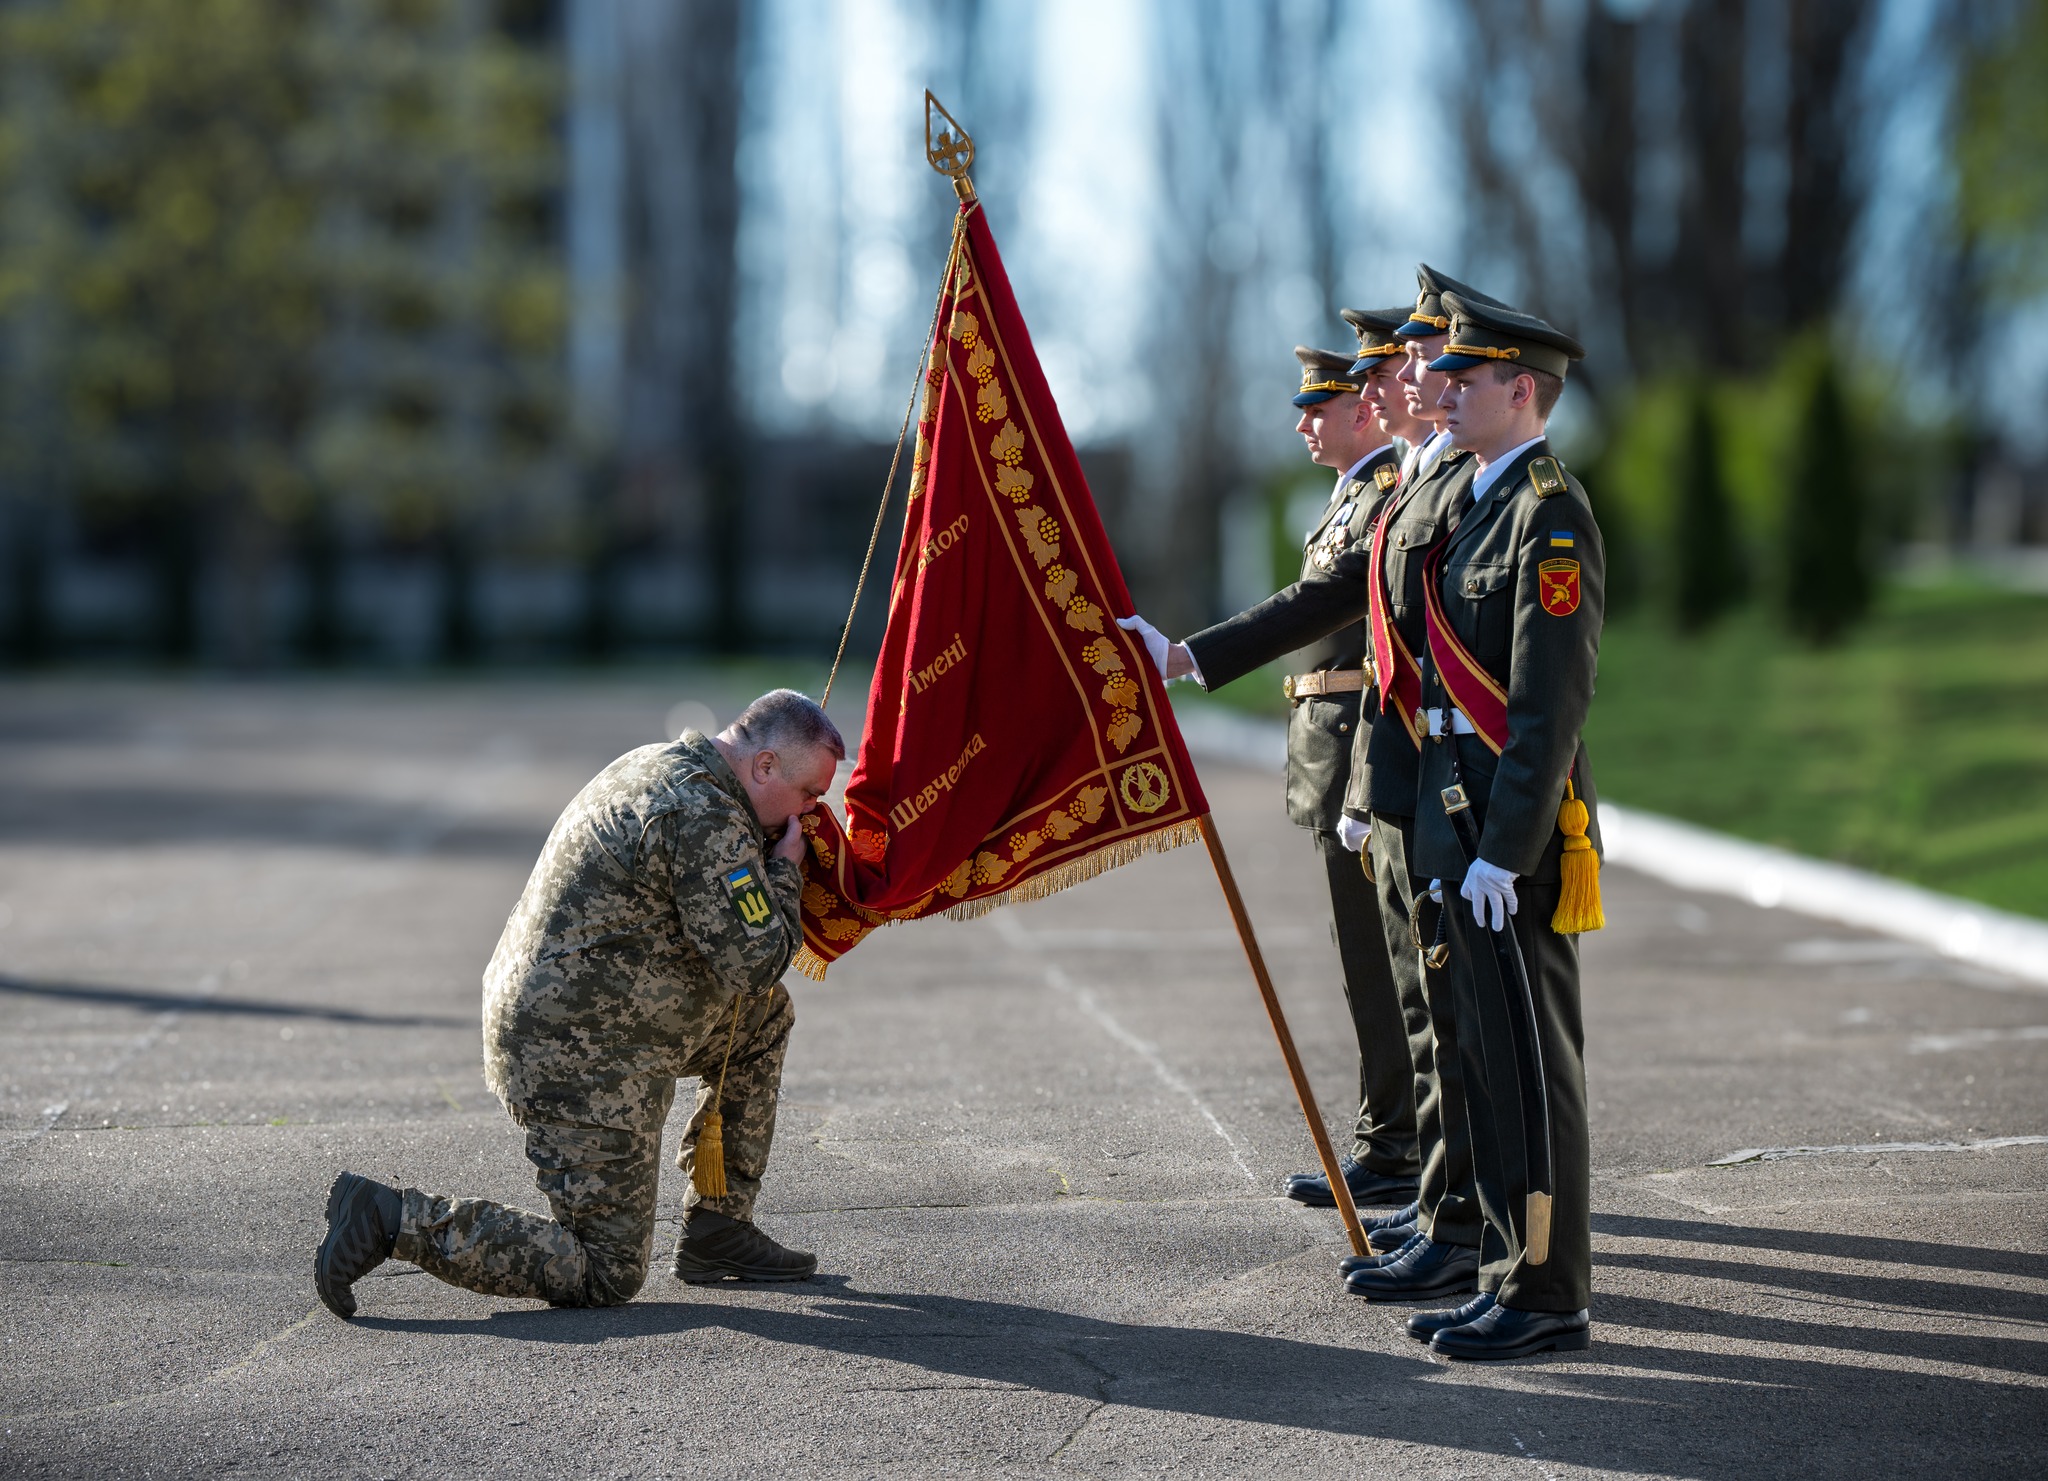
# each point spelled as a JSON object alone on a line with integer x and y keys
{"x": 949, "y": 147}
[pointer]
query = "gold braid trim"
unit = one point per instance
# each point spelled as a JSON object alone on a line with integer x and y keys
{"x": 1065, "y": 876}
{"x": 1441, "y": 321}
{"x": 1338, "y": 386}
{"x": 1484, "y": 351}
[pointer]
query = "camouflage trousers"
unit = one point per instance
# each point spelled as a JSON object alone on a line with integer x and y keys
{"x": 601, "y": 1180}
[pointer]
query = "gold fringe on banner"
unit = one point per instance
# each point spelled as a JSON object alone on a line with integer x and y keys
{"x": 1051, "y": 882}
{"x": 1081, "y": 870}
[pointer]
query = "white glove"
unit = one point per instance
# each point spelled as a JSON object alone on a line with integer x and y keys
{"x": 1155, "y": 641}
{"x": 1491, "y": 891}
{"x": 1352, "y": 833}
{"x": 1436, "y": 891}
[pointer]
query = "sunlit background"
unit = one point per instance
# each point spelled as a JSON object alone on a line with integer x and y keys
{"x": 429, "y": 334}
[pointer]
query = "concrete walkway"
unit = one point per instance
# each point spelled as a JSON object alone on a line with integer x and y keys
{"x": 241, "y": 929}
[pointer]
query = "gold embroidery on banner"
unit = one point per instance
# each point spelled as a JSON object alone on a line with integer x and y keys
{"x": 1123, "y": 728}
{"x": 990, "y": 403}
{"x": 1084, "y": 614}
{"x": 1102, "y": 657}
{"x": 1144, "y": 787}
{"x": 1014, "y": 483}
{"x": 1060, "y": 584}
{"x": 965, "y": 327}
{"x": 1007, "y": 446}
{"x": 1044, "y": 548}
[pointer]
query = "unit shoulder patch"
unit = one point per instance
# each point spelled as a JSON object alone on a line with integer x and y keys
{"x": 1548, "y": 476}
{"x": 1386, "y": 476}
{"x": 1558, "y": 584}
{"x": 749, "y": 899}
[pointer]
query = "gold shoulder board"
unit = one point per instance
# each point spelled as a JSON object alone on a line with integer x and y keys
{"x": 1385, "y": 476}
{"x": 1548, "y": 476}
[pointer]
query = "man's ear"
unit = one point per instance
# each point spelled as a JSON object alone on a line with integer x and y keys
{"x": 765, "y": 763}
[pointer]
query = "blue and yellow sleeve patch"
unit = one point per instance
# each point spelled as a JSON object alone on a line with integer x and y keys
{"x": 743, "y": 885}
{"x": 1561, "y": 538}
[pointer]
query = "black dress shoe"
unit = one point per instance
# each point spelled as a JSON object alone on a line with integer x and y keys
{"x": 362, "y": 1225}
{"x": 1373, "y": 1262}
{"x": 1393, "y": 1220}
{"x": 1426, "y": 1324}
{"x": 1368, "y": 1188}
{"x": 1503, "y": 1332}
{"x": 1386, "y": 1241}
{"x": 1422, "y": 1271}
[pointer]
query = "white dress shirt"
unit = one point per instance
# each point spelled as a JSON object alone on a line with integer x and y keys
{"x": 1490, "y": 474}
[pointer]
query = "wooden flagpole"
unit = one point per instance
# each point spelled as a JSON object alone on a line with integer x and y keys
{"x": 1347, "y": 1210}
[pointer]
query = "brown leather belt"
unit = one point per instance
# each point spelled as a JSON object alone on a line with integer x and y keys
{"x": 1327, "y": 681}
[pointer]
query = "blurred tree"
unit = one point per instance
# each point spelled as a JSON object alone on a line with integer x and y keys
{"x": 167, "y": 246}
{"x": 1662, "y": 248}
{"x": 2000, "y": 140}
{"x": 1706, "y": 551}
{"x": 263, "y": 253}
{"x": 1828, "y": 576}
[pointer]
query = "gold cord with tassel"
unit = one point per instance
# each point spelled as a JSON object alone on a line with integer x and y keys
{"x": 707, "y": 1166}
{"x": 1578, "y": 896}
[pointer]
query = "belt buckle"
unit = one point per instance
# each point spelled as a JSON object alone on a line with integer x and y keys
{"x": 1287, "y": 686}
{"x": 1423, "y": 727}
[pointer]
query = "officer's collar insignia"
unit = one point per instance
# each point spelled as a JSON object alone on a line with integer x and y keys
{"x": 1385, "y": 476}
{"x": 1548, "y": 476}
{"x": 748, "y": 898}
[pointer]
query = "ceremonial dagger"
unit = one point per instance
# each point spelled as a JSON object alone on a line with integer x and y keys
{"x": 1513, "y": 974}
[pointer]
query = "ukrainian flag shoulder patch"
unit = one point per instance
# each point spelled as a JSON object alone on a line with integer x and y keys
{"x": 749, "y": 899}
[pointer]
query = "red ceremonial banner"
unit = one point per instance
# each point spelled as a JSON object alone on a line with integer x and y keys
{"x": 1018, "y": 741}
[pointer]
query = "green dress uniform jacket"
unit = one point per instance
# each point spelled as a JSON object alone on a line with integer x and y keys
{"x": 1492, "y": 587}
{"x": 1383, "y": 758}
{"x": 1319, "y": 620}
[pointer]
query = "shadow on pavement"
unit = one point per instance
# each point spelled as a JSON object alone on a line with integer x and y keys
{"x": 164, "y": 1002}
{"x": 1918, "y": 1253}
{"x": 1665, "y": 1410}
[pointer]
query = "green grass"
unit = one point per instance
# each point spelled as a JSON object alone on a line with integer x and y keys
{"x": 1917, "y": 748}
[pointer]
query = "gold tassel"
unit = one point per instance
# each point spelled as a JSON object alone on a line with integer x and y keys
{"x": 810, "y": 964}
{"x": 1578, "y": 896}
{"x": 707, "y": 1163}
{"x": 708, "y": 1170}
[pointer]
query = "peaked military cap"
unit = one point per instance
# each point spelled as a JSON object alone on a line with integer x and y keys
{"x": 1430, "y": 315}
{"x": 1375, "y": 330}
{"x": 1483, "y": 331}
{"x": 1324, "y": 373}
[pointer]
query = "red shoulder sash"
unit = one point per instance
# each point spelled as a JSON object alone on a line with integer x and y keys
{"x": 1470, "y": 686}
{"x": 1399, "y": 674}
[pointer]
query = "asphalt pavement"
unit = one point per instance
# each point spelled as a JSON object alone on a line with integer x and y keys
{"x": 241, "y": 933}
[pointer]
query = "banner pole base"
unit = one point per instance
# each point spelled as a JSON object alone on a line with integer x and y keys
{"x": 1347, "y": 1210}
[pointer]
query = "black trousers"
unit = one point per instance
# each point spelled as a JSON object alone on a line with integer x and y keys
{"x": 1449, "y": 1202}
{"x": 1493, "y": 1099}
{"x": 1383, "y": 1136}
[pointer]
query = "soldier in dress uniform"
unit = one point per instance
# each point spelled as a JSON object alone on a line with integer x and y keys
{"x": 649, "y": 944}
{"x": 1513, "y": 597}
{"x": 1320, "y": 616}
{"x": 1435, "y": 1250}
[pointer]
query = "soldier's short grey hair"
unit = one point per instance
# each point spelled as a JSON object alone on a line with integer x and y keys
{"x": 783, "y": 719}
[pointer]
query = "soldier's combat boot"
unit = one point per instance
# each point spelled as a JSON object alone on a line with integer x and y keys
{"x": 362, "y": 1225}
{"x": 717, "y": 1247}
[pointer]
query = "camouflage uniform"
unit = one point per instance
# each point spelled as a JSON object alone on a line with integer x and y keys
{"x": 654, "y": 905}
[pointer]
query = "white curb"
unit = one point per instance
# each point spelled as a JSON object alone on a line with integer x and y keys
{"x": 1696, "y": 858}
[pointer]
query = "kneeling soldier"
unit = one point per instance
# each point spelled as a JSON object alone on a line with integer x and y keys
{"x": 1513, "y": 598}
{"x": 649, "y": 945}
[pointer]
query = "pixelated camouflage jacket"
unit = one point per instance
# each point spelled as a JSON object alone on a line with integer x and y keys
{"x": 653, "y": 904}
